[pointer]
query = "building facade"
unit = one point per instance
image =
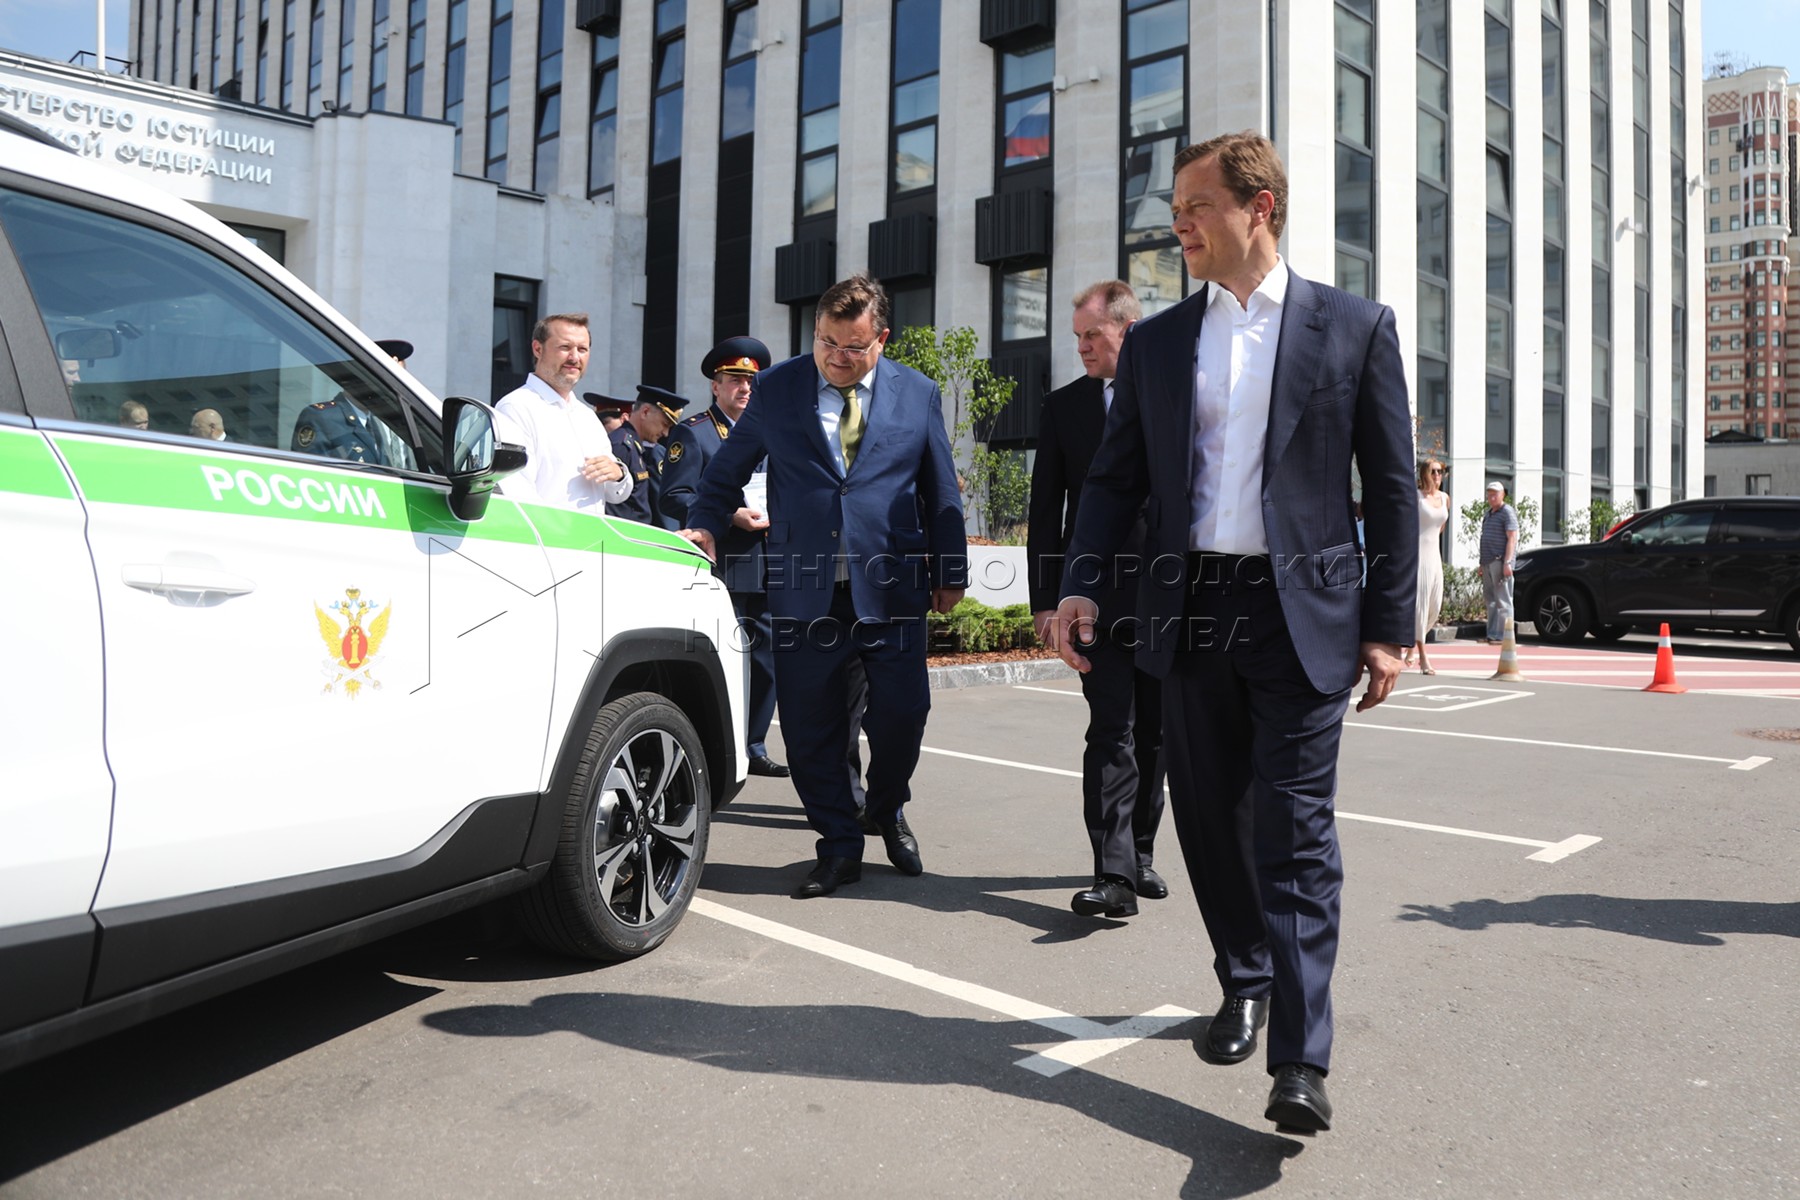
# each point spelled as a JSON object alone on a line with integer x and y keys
{"x": 1750, "y": 348}
{"x": 1519, "y": 179}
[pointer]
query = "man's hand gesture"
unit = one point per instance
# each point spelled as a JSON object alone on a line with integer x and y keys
{"x": 1073, "y": 625}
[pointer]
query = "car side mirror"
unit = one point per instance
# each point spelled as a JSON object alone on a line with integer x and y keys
{"x": 477, "y": 461}
{"x": 1628, "y": 539}
{"x": 85, "y": 345}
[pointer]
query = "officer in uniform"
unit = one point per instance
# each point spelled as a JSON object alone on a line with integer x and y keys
{"x": 730, "y": 366}
{"x": 610, "y": 411}
{"x": 341, "y": 428}
{"x": 636, "y": 445}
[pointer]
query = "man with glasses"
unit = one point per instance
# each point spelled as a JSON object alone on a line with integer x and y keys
{"x": 865, "y": 534}
{"x": 730, "y": 366}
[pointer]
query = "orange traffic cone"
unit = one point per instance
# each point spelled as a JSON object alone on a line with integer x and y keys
{"x": 1509, "y": 657}
{"x": 1665, "y": 666}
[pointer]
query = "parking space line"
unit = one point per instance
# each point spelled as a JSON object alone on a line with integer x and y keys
{"x": 1751, "y": 763}
{"x": 1348, "y": 816}
{"x": 1736, "y": 764}
{"x": 1090, "y": 1040}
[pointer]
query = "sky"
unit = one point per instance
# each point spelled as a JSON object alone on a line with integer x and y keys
{"x": 1764, "y": 32}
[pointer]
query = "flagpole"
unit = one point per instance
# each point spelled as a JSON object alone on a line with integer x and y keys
{"x": 100, "y": 32}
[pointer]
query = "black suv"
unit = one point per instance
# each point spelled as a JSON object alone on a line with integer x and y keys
{"x": 1719, "y": 563}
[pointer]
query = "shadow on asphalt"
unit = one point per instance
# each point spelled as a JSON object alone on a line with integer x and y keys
{"x": 1685, "y": 922}
{"x": 60, "y": 1104}
{"x": 63, "y": 1103}
{"x": 932, "y": 892}
{"x": 867, "y": 1044}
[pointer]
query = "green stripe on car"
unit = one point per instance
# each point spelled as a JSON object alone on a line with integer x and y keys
{"x": 28, "y": 468}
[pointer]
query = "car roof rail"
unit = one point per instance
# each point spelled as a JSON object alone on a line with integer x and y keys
{"x": 25, "y": 128}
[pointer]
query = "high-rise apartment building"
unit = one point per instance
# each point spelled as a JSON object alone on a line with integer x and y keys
{"x": 1519, "y": 179}
{"x": 1750, "y": 345}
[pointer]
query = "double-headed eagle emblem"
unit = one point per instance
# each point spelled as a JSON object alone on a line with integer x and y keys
{"x": 351, "y": 644}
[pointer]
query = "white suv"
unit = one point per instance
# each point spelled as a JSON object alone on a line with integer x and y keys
{"x": 262, "y": 702}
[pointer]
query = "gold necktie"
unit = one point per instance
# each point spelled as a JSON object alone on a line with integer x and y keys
{"x": 850, "y": 426}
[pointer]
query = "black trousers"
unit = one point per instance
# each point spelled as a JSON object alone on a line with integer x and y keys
{"x": 1121, "y": 767}
{"x": 1252, "y": 753}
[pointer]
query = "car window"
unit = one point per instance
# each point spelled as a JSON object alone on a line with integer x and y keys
{"x": 154, "y": 333}
{"x": 1687, "y": 527}
{"x": 1763, "y": 526}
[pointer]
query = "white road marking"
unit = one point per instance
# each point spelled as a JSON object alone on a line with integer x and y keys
{"x": 1751, "y": 763}
{"x": 1494, "y": 737}
{"x": 1451, "y": 829}
{"x": 1564, "y": 848}
{"x": 1444, "y": 697}
{"x": 1090, "y": 1040}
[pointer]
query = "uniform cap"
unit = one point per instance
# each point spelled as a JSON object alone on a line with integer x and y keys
{"x": 396, "y": 348}
{"x": 606, "y": 404}
{"x": 736, "y": 356}
{"x": 663, "y": 398}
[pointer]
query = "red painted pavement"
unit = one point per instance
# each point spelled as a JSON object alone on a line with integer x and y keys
{"x": 1620, "y": 668}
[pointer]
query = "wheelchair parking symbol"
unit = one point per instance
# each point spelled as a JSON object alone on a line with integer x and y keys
{"x": 1449, "y": 697}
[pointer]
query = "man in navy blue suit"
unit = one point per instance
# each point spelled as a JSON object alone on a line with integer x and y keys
{"x": 1236, "y": 416}
{"x": 865, "y": 534}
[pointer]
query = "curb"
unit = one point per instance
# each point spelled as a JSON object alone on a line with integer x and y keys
{"x": 1029, "y": 670}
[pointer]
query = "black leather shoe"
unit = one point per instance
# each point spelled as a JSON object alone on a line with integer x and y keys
{"x": 1231, "y": 1038}
{"x": 902, "y": 847}
{"x": 828, "y": 876}
{"x": 1297, "y": 1101}
{"x": 1150, "y": 885}
{"x": 767, "y": 767}
{"x": 1108, "y": 897}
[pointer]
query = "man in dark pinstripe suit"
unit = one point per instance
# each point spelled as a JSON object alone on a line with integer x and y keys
{"x": 1236, "y": 416}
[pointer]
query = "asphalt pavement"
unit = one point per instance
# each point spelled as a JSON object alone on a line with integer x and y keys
{"x": 1568, "y": 969}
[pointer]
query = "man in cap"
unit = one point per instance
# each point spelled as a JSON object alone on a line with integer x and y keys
{"x": 610, "y": 411}
{"x": 341, "y": 428}
{"x": 731, "y": 365}
{"x": 637, "y": 444}
{"x": 571, "y": 462}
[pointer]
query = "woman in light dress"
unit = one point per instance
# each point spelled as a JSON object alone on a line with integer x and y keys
{"x": 1434, "y": 512}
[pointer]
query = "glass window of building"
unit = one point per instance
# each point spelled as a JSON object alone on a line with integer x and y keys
{"x": 499, "y": 90}
{"x": 1600, "y": 166}
{"x": 346, "y": 52}
{"x": 603, "y": 116}
{"x": 288, "y": 20}
{"x": 415, "y": 58}
{"x": 1355, "y": 130}
{"x": 1025, "y": 112}
{"x": 913, "y": 164}
{"x": 378, "y": 50}
{"x": 820, "y": 69}
{"x": 456, "y": 64}
{"x": 1433, "y": 225}
{"x": 1154, "y": 127}
{"x": 315, "y": 57}
{"x": 547, "y": 123}
{"x": 732, "y": 235}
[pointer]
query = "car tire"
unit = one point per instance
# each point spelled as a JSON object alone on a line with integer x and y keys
{"x": 1790, "y": 623}
{"x": 635, "y": 824}
{"x": 1560, "y": 613}
{"x": 1609, "y": 633}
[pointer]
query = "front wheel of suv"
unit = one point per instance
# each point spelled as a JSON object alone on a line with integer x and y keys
{"x": 635, "y": 825}
{"x": 1560, "y": 613}
{"x": 1790, "y": 623}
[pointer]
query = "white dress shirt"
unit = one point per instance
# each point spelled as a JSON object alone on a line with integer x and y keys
{"x": 559, "y": 434}
{"x": 1234, "y": 367}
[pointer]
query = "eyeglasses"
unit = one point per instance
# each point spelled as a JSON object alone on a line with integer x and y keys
{"x": 1437, "y": 470}
{"x": 832, "y": 348}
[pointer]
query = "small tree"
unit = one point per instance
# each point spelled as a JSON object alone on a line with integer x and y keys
{"x": 1590, "y": 522}
{"x": 1474, "y": 511}
{"x": 993, "y": 481}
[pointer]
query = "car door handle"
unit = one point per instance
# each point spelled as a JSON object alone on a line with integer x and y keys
{"x": 186, "y": 584}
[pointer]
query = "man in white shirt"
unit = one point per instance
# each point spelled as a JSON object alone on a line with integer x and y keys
{"x": 1236, "y": 417}
{"x": 571, "y": 462}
